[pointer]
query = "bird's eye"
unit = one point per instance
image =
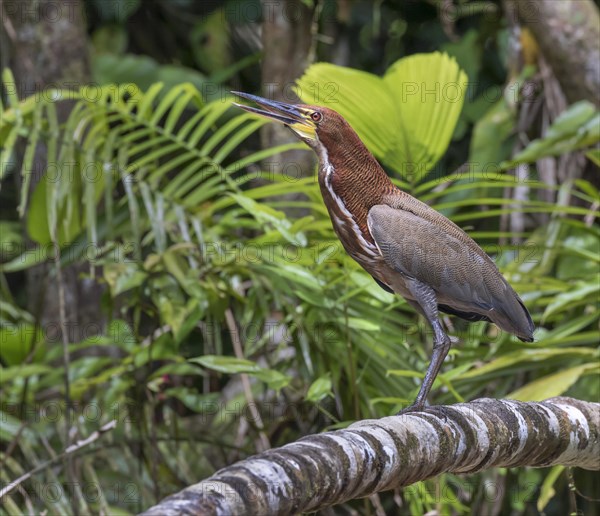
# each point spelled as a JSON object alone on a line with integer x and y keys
{"x": 316, "y": 116}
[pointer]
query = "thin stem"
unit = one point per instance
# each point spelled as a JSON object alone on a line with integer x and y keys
{"x": 70, "y": 450}
{"x": 237, "y": 348}
{"x": 66, "y": 363}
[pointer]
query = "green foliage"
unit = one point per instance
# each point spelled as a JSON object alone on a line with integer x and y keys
{"x": 144, "y": 71}
{"x": 319, "y": 389}
{"x": 160, "y": 195}
{"x": 576, "y": 128}
{"x": 230, "y": 365}
{"x": 418, "y": 102}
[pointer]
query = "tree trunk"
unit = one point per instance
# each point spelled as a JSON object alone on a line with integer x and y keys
{"x": 377, "y": 455}
{"x": 49, "y": 48}
{"x": 287, "y": 42}
{"x": 568, "y": 32}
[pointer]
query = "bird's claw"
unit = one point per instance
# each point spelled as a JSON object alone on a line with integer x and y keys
{"x": 415, "y": 407}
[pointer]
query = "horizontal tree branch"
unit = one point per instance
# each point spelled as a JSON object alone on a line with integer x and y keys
{"x": 377, "y": 455}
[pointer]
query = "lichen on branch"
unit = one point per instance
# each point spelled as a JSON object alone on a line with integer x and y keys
{"x": 377, "y": 455}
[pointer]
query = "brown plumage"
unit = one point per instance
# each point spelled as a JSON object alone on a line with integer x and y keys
{"x": 408, "y": 247}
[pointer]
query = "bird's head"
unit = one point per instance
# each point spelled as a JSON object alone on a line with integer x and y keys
{"x": 314, "y": 125}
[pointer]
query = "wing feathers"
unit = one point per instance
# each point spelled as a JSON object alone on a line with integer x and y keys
{"x": 442, "y": 256}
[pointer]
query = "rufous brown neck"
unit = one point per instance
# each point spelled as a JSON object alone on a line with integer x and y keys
{"x": 349, "y": 171}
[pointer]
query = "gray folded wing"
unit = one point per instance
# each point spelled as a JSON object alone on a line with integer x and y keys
{"x": 461, "y": 274}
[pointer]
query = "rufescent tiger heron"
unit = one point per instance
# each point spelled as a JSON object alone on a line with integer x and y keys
{"x": 408, "y": 247}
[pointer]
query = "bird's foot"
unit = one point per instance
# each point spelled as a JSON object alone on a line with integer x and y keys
{"x": 420, "y": 407}
{"x": 415, "y": 407}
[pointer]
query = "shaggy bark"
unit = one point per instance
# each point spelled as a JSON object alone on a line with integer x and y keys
{"x": 377, "y": 455}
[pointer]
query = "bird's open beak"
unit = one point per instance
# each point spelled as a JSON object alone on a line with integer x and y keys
{"x": 295, "y": 117}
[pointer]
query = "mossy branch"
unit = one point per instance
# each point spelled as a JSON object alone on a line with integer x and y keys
{"x": 377, "y": 455}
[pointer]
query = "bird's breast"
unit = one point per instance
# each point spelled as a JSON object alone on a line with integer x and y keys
{"x": 351, "y": 228}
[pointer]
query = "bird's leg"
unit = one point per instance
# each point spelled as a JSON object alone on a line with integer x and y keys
{"x": 441, "y": 346}
{"x": 427, "y": 303}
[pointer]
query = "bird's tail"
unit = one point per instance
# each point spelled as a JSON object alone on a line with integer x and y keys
{"x": 512, "y": 316}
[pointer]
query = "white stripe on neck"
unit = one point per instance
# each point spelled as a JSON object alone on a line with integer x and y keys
{"x": 371, "y": 250}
